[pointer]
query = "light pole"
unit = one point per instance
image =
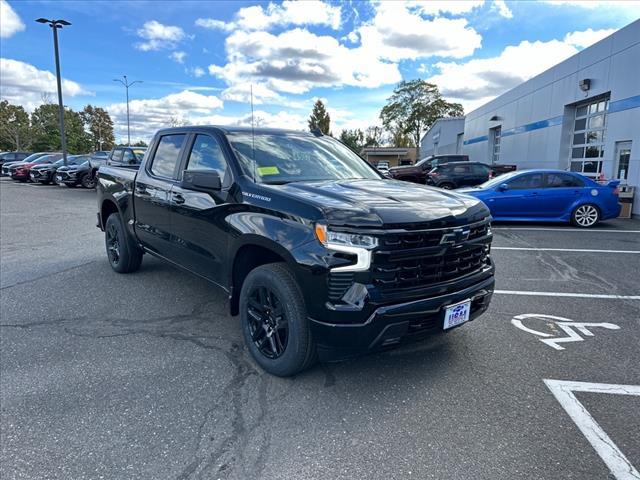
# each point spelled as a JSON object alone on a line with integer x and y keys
{"x": 55, "y": 25}
{"x": 126, "y": 86}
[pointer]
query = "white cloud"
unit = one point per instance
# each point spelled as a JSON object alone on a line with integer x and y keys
{"x": 587, "y": 37}
{"x": 157, "y": 36}
{"x": 23, "y": 84}
{"x": 149, "y": 115}
{"x": 257, "y": 17}
{"x": 178, "y": 56}
{"x": 196, "y": 72}
{"x": 10, "y": 22}
{"x": 477, "y": 81}
{"x": 502, "y": 8}
{"x": 435, "y": 7}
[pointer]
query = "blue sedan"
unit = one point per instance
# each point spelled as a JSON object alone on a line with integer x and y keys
{"x": 548, "y": 195}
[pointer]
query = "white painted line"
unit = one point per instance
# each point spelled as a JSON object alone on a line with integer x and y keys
{"x": 579, "y": 250}
{"x": 618, "y": 464}
{"x": 565, "y": 229}
{"x": 566, "y": 294}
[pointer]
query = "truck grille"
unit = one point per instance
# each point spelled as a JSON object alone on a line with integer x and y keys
{"x": 420, "y": 259}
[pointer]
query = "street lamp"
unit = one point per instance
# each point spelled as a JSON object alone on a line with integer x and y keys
{"x": 126, "y": 86}
{"x": 55, "y": 25}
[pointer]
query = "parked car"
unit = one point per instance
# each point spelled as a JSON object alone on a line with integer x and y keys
{"x": 318, "y": 253}
{"x": 45, "y": 173}
{"x": 550, "y": 196}
{"x": 34, "y": 156}
{"x": 418, "y": 173}
{"x": 458, "y": 174}
{"x": 383, "y": 167}
{"x": 501, "y": 169}
{"x": 77, "y": 174}
{"x": 126, "y": 156}
{"x": 20, "y": 171}
{"x": 13, "y": 157}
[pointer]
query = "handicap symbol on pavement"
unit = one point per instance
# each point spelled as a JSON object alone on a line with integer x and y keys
{"x": 564, "y": 330}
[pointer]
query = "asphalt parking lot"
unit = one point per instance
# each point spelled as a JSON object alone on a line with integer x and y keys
{"x": 146, "y": 376}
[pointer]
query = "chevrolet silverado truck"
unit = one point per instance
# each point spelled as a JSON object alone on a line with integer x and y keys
{"x": 320, "y": 255}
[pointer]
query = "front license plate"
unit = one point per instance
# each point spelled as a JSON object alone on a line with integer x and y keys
{"x": 457, "y": 314}
{"x": 58, "y": 178}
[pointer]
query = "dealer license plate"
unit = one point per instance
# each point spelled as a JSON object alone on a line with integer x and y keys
{"x": 457, "y": 314}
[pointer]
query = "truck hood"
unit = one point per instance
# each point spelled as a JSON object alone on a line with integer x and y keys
{"x": 388, "y": 203}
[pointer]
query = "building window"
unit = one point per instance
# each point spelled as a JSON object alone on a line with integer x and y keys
{"x": 459, "y": 143}
{"x": 587, "y": 145}
{"x": 495, "y": 135}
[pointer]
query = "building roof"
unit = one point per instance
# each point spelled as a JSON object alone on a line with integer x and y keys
{"x": 438, "y": 121}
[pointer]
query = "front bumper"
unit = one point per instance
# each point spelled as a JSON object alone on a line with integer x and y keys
{"x": 391, "y": 325}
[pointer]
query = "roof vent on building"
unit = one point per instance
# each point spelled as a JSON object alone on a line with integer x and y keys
{"x": 585, "y": 84}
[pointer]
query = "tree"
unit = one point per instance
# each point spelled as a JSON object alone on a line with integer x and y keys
{"x": 354, "y": 139}
{"x": 373, "y": 136}
{"x": 14, "y": 127}
{"x": 398, "y": 138}
{"x": 99, "y": 126}
{"x": 140, "y": 143}
{"x": 320, "y": 119}
{"x": 45, "y": 130}
{"x": 414, "y": 106}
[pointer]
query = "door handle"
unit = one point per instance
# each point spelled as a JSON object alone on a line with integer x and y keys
{"x": 141, "y": 190}
{"x": 178, "y": 198}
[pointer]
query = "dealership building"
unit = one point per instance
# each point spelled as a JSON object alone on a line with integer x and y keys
{"x": 582, "y": 115}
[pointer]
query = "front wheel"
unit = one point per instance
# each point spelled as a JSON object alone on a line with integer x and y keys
{"x": 446, "y": 186}
{"x": 124, "y": 256}
{"x": 274, "y": 321}
{"x": 585, "y": 216}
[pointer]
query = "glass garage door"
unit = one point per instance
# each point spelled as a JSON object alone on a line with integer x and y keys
{"x": 589, "y": 127}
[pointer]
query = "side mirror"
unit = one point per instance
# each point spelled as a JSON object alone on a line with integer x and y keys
{"x": 202, "y": 180}
{"x": 503, "y": 187}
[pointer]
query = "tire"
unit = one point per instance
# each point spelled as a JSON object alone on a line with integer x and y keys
{"x": 585, "y": 216}
{"x": 447, "y": 186}
{"x": 88, "y": 181}
{"x": 270, "y": 295}
{"x": 123, "y": 254}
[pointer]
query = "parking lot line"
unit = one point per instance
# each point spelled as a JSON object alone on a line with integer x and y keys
{"x": 581, "y": 250}
{"x": 564, "y": 229}
{"x": 566, "y": 294}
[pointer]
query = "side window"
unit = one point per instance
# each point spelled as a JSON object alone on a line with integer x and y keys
{"x": 206, "y": 154}
{"x": 562, "y": 180}
{"x": 116, "y": 156}
{"x": 166, "y": 156}
{"x": 479, "y": 170}
{"x": 461, "y": 169}
{"x": 525, "y": 182}
{"x": 128, "y": 158}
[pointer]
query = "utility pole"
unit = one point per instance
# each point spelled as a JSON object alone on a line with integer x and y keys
{"x": 126, "y": 86}
{"x": 55, "y": 25}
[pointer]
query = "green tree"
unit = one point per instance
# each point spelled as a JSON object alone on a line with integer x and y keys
{"x": 14, "y": 127}
{"x": 398, "y": 138}
{"x": 414, "y": 106}
{"x": 354, "y": 139}
{"x": 373, "y": 136}
{"x": 320, "y": 118}
{"x": 140, "y": 143}
{"x": 99, "y": 126}
{"x": 46, "y": 130}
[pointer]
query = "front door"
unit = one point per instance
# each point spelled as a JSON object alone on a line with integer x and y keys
{"x": 623, "y": 155}
{"x": 521, "y": 199}
{"x": 199, "y": 218}
{"x": 152, "y": 194}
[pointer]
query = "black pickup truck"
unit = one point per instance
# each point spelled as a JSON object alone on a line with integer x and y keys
{"x": 320, "y": 254}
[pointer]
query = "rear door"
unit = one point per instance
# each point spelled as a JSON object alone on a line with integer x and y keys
{"x": 479, "y": 174}
{"x": 521, "y": 199}
{"x": 152, "y": 194}
{"x": 560, "y": 192}
{"x": 461, "y": 175}
{"x": 198, "y": 218}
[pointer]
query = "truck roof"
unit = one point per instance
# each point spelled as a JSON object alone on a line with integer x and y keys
{"x": 236, "y": 129}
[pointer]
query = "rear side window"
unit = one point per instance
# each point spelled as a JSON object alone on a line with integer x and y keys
{"x": 525, "y": 182}
{"x": 129, "y": 158}
{"x": 166, "y": 156}
{"x": 562, "y": 180}
{"x": 480, "y": 169}
{"x": 206, "y": 154}
{"x": 116, "y": 156}
{"x": 460, "y": 169}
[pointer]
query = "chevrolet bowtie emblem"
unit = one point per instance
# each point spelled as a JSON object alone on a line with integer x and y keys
{"x": 455, "y": 237}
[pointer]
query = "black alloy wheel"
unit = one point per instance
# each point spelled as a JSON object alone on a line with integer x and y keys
{"x": 123, "y": 254}
{"x": 268, "y": 324}
{"x": 88, "y": 181}
{"x": 113, "y": 244}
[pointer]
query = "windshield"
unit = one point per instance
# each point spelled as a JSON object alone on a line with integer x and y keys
{"x": 33, "y": 157}
{"x": 297, "y": 157}
{"x": 494, "y": 182}
{"x": 44, "y": 159}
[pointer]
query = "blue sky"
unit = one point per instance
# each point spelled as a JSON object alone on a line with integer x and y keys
{"x": 198, "y": 59}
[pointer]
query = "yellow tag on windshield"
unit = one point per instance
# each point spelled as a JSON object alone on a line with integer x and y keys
{"x": 263, "y": 171}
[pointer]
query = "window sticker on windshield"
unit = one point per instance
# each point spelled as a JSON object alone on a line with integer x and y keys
{"x": 263, "y": 171}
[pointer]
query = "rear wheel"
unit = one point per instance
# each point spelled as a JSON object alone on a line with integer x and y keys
{"x": 124, "y": 256}
{"x": 88, "y": 181}
{"x": 274, "y": 321}
{"x": 446, "y": 186}
{"x": 585, "y": 216}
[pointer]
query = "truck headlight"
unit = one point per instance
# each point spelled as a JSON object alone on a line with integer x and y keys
{"x": 355, "y": 244}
